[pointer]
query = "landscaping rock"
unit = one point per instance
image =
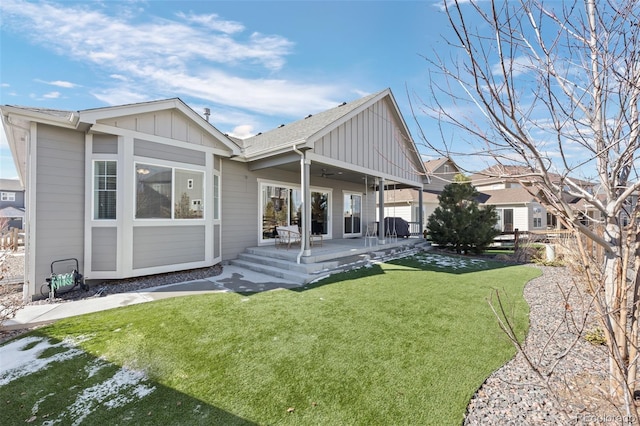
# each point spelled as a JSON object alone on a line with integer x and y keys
{"x": 573, "y": 370}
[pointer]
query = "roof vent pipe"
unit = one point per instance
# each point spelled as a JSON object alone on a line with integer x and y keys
{"x": 207, "y": 114}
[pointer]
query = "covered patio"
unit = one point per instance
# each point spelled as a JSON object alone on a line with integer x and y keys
{"x": 321, "y": 260}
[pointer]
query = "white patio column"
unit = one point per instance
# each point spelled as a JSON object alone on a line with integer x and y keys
{"x": 381, "y": 210}
{"x": 420, "y": 211}
{"x": 306, "y": 206}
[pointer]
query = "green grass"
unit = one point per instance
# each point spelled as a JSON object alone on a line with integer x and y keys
{"x": 406, "y": 342}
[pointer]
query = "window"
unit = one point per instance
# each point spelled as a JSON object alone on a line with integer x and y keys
{"x": 193, "y": 181}
{"x": 104, "y": 189}
{"x": 281, "y": 205}
{"x": 537, "y": 217}
{"x": 168, "y": 193}
{"x": 7, "y": 196}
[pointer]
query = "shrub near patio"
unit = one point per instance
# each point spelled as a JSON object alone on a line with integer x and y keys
{"x": 405, "y": 342}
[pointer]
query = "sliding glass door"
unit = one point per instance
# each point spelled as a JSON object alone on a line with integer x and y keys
{"x": 281, "y": 205}
{"x": 352, "y": 215}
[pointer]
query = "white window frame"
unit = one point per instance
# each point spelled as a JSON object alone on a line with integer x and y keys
{"x": 262, "y": 183}
{"x": 7, "y": 196}
{"x": 173, "y": 166}
{"x": 93, "y": 189}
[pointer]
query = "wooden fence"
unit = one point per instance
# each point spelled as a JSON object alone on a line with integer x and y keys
{"x": 11, "y": 239}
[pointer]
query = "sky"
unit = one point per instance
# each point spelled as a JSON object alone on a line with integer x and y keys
{"x": 255, "y": 64}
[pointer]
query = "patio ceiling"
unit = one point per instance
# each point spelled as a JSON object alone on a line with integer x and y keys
{"x": 321, "y": 171}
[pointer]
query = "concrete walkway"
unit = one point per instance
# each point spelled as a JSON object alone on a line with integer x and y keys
{"x": 232, "y": 278}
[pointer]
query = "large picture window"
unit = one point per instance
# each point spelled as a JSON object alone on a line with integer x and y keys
{"x": 105, "y": 179}
{"x": 168, "y": 193}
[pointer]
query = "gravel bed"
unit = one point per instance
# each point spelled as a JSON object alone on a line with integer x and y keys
{"x": 572, "y": 389}
{"x": 14, "y": 264}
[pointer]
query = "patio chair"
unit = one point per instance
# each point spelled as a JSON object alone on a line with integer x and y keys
{"x": 287, "y": 235}
{"x": 371, "y": 235}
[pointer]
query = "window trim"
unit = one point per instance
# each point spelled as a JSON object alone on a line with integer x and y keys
{"x": 94, "y": 189}
{"x": 191, "y": 168}
{"x": 7, "y": 196}
{"x": 288, "y": 185}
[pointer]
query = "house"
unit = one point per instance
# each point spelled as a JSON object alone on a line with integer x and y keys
{"x": 509, "y": 190}
{"x": 12, "y": 202}
{"x": 410, "y": 204}
{"x": 153, "y": 187}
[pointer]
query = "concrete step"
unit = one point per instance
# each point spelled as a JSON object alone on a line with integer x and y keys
{"x": 304, "y": 268}
{"x": 276, "y": 272}
{"x": 280, "y": 264}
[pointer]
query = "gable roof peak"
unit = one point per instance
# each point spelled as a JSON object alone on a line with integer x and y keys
{"x": 303, "y": 130}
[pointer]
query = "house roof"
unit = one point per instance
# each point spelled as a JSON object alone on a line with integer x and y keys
{"x": 433, "y": 165}
{"x": 409, "y": 195}
{"x": 511, "y": 173}
{"x": 506, "y": 196}
{"x": 10, "y": 185}
{"x": 17, "y": 117}
{"x": 11, "y": 212}
{"x": 302, "y": 130}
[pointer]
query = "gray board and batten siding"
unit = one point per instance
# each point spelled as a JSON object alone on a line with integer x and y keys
{"x": 171, "y": 124}
{"x": 373, "y": 140}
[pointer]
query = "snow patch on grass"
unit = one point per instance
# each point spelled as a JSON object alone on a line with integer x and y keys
{"x": 123, "y": 387}
{"x": 450, "y": 261}
{"x": 94, "y": 366}
{"x": 22, "y": 357}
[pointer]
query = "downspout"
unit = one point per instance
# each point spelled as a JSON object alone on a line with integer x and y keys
{"x": 306, "y": 200}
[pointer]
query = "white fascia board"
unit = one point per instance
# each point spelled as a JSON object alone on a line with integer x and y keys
{"x": 280, "y": 149}
{"x": 14, "y": 114}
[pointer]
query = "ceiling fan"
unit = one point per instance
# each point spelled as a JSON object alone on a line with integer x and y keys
{"x": 325, "y": 173}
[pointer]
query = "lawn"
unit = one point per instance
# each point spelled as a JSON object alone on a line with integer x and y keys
{"x": 405, "y": 342}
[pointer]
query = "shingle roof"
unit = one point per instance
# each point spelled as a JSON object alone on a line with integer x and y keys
{"x": 432, "y": 165}
{"x": 57, "y": 113}
{"x": 501, "y": 173}
{"x": 507, "y": 196}
{"x": 11, "y": 212}
{"x": 301, "y": 130}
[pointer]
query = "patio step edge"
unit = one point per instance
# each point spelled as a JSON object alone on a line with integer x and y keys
{"x": 286, "y": 274}
{"x": 304, "y": 268}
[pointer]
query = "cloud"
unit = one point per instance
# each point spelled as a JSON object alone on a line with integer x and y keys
{"x": 213, "y": 22}
{"x": 243, "y": 131}
{"x": 515, "y": 66}
{"x": 147, "y": 57}
{"x": 65, "y": 84}
{"x": 51, "y": 95}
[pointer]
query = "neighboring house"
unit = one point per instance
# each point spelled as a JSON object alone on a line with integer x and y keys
{"x": 12, "y": 202}
{"x": 153, "y": 187}
{"x": 405, "y": 203}
{"x": 516, "y": 208}
{"x": 506, "y": 189}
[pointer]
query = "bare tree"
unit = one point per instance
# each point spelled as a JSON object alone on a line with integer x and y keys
{"x": 552, "y": 95}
